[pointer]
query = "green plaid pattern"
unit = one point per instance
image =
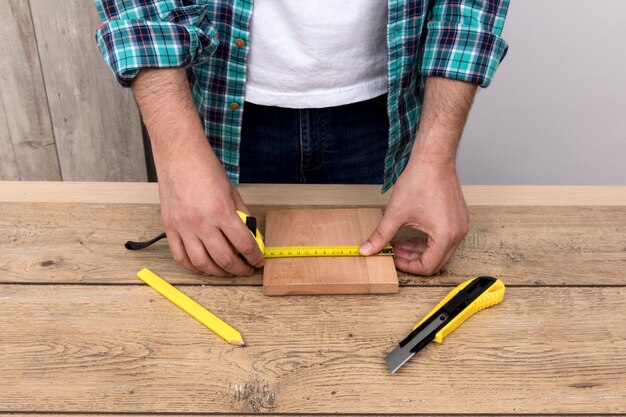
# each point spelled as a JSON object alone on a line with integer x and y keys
{"x": 458, "y": 39}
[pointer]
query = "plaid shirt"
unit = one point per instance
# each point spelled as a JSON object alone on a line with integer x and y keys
{"x": 458, "y": 39}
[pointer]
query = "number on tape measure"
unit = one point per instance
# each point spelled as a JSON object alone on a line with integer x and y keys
{"x": 317, "y": 251}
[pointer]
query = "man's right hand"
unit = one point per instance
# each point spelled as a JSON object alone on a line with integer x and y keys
{"x": 198, "y": 201}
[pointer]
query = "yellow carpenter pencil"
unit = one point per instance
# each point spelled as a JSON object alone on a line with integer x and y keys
{"x": 195, "y": 310}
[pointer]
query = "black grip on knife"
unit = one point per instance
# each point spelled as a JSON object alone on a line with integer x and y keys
{"x": 449, "y": 310}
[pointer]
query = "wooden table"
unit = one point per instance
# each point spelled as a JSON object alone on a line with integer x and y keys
{"x": 80, "y": 334}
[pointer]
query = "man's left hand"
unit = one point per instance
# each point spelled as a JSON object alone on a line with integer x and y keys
{"x": 426, "y": 197}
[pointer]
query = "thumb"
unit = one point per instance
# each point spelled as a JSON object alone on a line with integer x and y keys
{"x": 385, "y": 231}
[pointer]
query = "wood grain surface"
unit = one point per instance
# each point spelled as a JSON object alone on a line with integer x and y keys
{"x": 80, "y": 334}
{"x": 334, "y": 275}
{"x": 27, "y": 146}
{"x": 332, "y": 195}
{"x": 65, "y": 242}
{"x": 126, "y": 349}
{"x": 96, "y": 122}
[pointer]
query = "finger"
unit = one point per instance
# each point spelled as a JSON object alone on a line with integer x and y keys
{"x": 411, "y": 265}
{"x": 407, "y": 265}
{"x": 385, "y": 231}
{"x": 201, "y": 258}
{"x": 224, "y": 255}
{"x": 452, "y": 243}
{"x": 412, "y": 243}
{"x": 430, "y": 260}
{"x": 404, "y": 247}
{"x": 447, "y": 257}
{"x": 239, "y": 235}
{"x": 179, "y": 252}
{"x": 436, "y": 251}
{"x": 406, "y": 254}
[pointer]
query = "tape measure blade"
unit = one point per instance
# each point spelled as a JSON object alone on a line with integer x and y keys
{"x": 317, "y": 251}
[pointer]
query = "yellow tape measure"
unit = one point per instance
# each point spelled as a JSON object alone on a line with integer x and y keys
{"x": 279, "y": 251}
{"x": 302, "y": 251}
{"x": 299, "y": 251}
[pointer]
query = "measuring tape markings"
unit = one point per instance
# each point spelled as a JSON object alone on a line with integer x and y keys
{"x": 278, "y": 251}
{"x": 301, "y": 251}
{"x": 317, "y": 251}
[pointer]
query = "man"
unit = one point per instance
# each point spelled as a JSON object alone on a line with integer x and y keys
{"x": 348, "y": 91}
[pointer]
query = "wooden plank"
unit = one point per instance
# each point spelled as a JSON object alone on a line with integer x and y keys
{"x": 522, "y": 245}
{"x": 126, "y": 349}
{"x": 44, "y": 414}
{"x": 337, "y": 275}
{"x": 8, "y": 164}
{"x": 56, "y": 414}
{"x": 312, "y": 194}
{"x": 27, "y": 147}
{"x": 96, "y": 123}
{"x": 96, "y": 414}
{"x": 85, "y": 243}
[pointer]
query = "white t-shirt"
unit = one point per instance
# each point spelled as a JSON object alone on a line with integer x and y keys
{"x": 317, "y": 53}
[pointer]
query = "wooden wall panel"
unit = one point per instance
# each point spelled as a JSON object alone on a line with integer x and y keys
{"x": 96, "y": 122}
{"x": 27, "y": 147}
{"x": 8, "y": 164}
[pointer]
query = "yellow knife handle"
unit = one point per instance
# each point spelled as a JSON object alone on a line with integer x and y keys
{"x": 253, "y": 229}
{"x": 493, "y": 295}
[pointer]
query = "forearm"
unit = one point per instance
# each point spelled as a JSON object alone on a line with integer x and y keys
{"x": 169, "y": 113}
{"x": 446, "y": 106}
{"x": 198, "y": 201}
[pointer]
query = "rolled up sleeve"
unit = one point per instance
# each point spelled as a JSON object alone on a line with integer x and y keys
{"x": 462, "y": 40}
{"x": 138, "y": 34}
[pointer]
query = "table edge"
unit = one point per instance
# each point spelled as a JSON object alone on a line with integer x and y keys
{"x": 311, "y": 194}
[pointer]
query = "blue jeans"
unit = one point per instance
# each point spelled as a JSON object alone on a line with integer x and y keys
{"x": 334, "y": 145}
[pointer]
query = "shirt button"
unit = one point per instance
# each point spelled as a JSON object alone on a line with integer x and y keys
{"x": 234, "y": 105}
{"x": 240, "y": 43}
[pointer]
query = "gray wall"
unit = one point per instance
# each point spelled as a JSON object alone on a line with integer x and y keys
{"x": 556, "y": 110}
